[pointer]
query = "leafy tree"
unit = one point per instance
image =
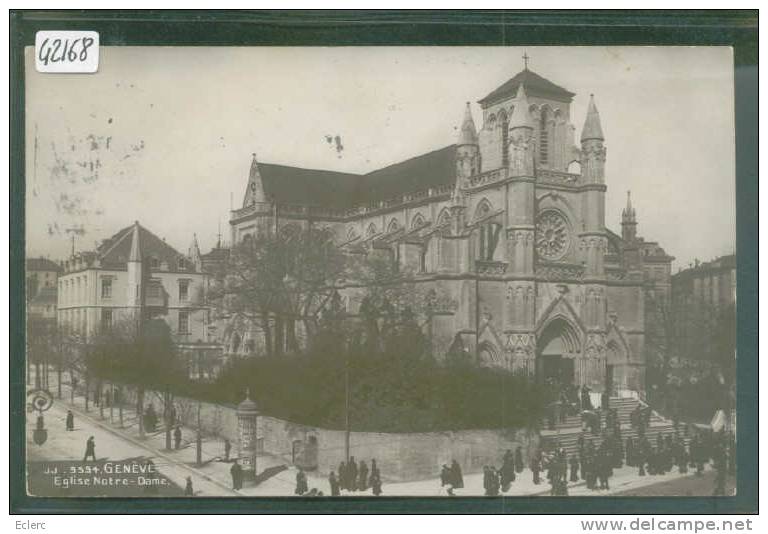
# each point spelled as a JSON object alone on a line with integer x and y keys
{"x": 142, "y": 355}
{"x": 279, "y": 279}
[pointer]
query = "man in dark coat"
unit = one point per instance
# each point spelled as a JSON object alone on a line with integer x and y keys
{"x": 519, "y": 465}
{"x": 376, "y": 484}
{"x": 586, "y": 402}
{"x": 457, "y": 479}
{"x": 70, "y": 425}
{"x": 352, "y": 474}
{"x": 334, "y": 483}
{"x": 301, "y": 482}
{"x": 603, "y": 466}
{"x": 630, "y": 452}
{"x": 445, "y": 475}
{"x": 507, "y": 472}
{"x": 237, "y": 475}
{"x": 374, "y": 468}
{"x": 494, "y": 481}
{"x": 343, "y": 475}
{"x": 362, "y": 483}
{"x": 90, "y": 449}
{"x": 574, "y": 461}
{"x": 536, "y": 467}
{"x": 189, "y": 491}
{"x": 177, "y": 438}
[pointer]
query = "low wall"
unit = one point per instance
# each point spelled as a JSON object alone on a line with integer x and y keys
{"x": 400, "y": 457}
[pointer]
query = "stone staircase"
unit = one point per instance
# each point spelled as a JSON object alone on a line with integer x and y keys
{"x": 566, "y": 433}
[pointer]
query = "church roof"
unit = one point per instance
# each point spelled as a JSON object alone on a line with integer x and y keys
{"x": 535, "y": 85}
{"x": 311, "y": 187}
{"x": 308, "y": 187}
{"x": 116, "y": 251}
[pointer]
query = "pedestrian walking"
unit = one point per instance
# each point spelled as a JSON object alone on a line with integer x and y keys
{"x": 227, "y": 450}
{"x": 507, "y": 471}
{"x": 445, "y": 475}
{"x": 376, "y": 485}
{"x": 177, "y": 438}
{"x": 457, "y": 478}
{"x": 495, "y": 481}
{"x": 334, "y": 483}
{"x": 362, "y": 477}
{"x": 70, "y": 423}
{"x": 519, "y": 465}
{"x": 375, "y": 469}
{"x": 536, "y": 467}
{"x": 90, "y": 449}
{"x": 301, "y": 482}
{"x": 343, "y": 476}
{"x": 189, "y": 491}
{"x": 352, "y": 474}
{"x": 574, "y": 462}
{"x": 237, "y": 476}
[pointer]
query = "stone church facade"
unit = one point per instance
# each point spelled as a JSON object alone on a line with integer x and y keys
{"x": 509, "y": 223}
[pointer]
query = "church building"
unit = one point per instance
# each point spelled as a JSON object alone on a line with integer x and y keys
{"x": 509, "y": 222}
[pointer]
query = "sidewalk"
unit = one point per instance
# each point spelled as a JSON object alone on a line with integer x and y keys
{"x": 215, "y": 472}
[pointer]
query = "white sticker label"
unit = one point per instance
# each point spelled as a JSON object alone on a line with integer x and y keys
{"x": 66, "y": 51}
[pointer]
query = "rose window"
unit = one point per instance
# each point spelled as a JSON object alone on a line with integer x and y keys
{"x": 551, "y": 235}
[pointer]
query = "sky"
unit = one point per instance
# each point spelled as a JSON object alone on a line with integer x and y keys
{"x": 165, "y": 135}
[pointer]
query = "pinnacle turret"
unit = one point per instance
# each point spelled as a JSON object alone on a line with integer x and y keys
{"x": 521, "y": 116}
{"x": 468, "y": 132}
{"x": 628, "y": 221}
{"x": 592, "y": 128}
{"x": 628, "y": 213}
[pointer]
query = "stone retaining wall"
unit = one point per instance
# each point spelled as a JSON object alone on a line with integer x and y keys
{"x": 400, "y": 457}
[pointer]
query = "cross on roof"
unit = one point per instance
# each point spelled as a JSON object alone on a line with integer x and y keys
{"x": 525, "y": 59}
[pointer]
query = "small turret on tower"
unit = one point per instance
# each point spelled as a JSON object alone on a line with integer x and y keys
{"x": 520, "y": 138}
{"x": 467, "y": 148}
{"x": 592, "y": 147}
{"x": 628, "y": 221}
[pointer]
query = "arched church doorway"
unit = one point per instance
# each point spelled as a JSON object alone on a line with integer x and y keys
{"x": 558, "y": 347}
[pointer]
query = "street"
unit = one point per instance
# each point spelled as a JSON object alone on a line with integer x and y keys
{"x": 687, "y": 486}
{"x": 212, "y": 477}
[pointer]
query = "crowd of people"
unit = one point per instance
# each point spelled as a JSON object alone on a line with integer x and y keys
{"x": 354, "y": 477}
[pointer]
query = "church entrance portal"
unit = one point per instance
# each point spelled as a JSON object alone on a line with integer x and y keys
{"x": 558, "y": 348}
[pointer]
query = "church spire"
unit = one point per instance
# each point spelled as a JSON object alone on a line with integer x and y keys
{"x": 521, "y": 116}
{"x": 468, "y": 132}
{"x": 592, "y": 128}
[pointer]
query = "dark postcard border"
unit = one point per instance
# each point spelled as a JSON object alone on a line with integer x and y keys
{"x": 415, "y": 28}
